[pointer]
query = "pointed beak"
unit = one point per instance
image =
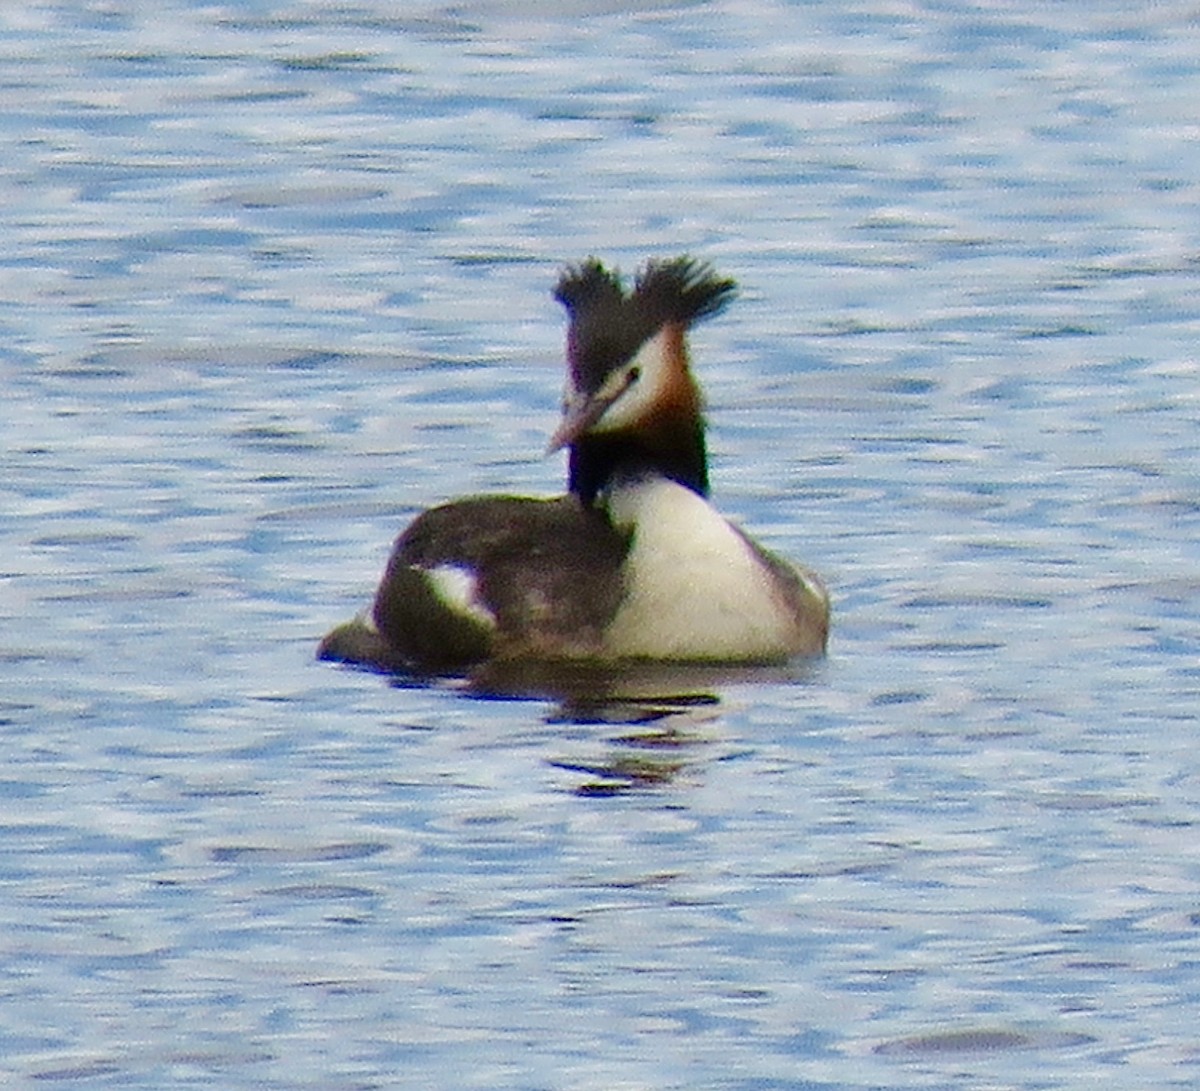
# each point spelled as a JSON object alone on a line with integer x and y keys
{"x": 580, "y": 412}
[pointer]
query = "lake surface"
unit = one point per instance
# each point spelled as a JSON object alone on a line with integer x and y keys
{"x": 276, "y": 276}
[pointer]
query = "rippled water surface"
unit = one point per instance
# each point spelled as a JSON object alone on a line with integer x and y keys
{"x": 275, "y": 276}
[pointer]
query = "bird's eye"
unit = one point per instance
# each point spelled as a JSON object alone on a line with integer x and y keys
{"x": 632, "y": 375}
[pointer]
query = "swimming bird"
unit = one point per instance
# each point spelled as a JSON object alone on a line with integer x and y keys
{"x": 633, "y": 563}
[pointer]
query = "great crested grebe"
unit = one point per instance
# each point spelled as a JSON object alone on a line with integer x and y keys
{"x": 633, "y": 563}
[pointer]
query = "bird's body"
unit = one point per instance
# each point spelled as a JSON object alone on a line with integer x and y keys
{"x": 633, "y": 563}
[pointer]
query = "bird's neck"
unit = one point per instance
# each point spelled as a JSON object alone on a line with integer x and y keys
{"x": 673, "y": 448}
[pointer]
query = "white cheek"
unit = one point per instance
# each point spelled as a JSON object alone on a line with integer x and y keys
{"x": 639, "y": 399}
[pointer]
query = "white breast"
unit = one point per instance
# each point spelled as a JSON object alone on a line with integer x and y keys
{"x": 694, "y": 588}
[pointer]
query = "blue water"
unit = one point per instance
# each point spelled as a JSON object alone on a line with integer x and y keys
{"x": 275, "y": 276}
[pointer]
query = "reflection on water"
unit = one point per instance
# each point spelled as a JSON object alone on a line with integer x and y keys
{"x": 666, "y": 706}
{"x": 592, "y": 685}
{"x": 666, "y": 739}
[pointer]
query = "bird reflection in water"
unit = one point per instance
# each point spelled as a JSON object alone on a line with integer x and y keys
{"x": 660, "y": 713}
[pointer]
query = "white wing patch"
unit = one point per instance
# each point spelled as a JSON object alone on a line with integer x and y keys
{"x": 639, "y": 398}
{"x": 458, "y": 588}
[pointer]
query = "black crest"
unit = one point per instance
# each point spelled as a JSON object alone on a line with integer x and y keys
{"x": 681, "y": 290}
{"x": 609, "y": 324}
{"x": 589, "y": 286}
